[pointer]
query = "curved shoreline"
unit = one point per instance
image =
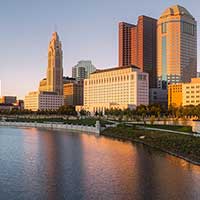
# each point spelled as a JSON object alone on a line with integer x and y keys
{"x": 90, "y": 129}
{"x": 154, "y": 147}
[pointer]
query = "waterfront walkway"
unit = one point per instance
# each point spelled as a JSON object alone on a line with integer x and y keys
{"x": 169, "y": 131}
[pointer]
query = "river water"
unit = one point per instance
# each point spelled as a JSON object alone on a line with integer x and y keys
{"x": 45, "y": 164}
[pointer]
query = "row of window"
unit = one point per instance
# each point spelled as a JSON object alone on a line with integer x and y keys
{"x": 192, "y": 92}
{"x": 110, "y": 80}
{"x": 197, "y": 101}
{"x": 187, "y": 97}
{"x": 185, "y": 28}
{"x": 192, "y": 87}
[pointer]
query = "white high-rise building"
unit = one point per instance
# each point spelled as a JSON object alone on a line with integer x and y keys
{"x": 121, "y": 87}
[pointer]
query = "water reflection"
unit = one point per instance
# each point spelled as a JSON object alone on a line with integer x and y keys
{"x": 44, "y": 164}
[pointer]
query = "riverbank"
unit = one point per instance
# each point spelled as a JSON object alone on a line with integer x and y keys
{"x": 182, "y": 146}
{"x": 91, "y": 129}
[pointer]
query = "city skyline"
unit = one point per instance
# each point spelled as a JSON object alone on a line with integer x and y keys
{"x": 29, "y": 52}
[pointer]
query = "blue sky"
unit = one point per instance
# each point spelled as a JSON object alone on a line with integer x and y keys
{"x": 88, "y": 29}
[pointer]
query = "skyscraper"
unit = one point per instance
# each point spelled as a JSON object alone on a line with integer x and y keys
{"x": 176, "y": 46}
{"x": 55, "y": 68}
{"x": 125, "y": 43}
{"x": 137, "y": 46}
{"x": 83, "y": 69}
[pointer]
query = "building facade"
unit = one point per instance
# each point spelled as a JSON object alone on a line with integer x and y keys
{"x": 73, "y": 93}
{"x": 121, "y": 87}
{"x": 43, "y": 85}
{"x": 158, "y": 96}
{"x": 43, "y": 101}
{"x": 83, "y": 69}
{"x": 176, "y": 46}
{"x": 184, "y": 94}
{"x": 125, "y": 43}
{"x": 191, "y": 92}
{"x": 79, "y": 73}
{"x": 175, "y": 95}
{"x": 54, "y": 80}
{"x": 137, "y": 46}
{"x": 8, "y": 99}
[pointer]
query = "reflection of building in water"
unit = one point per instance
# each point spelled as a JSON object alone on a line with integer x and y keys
{"x": 183, "y": 163}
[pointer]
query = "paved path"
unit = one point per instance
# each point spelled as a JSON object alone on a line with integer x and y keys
{"x": 170, "y": 131}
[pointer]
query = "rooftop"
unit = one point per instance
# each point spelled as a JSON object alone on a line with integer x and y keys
{"x": 176, "y": 10}
{"x": 115, "y": 68}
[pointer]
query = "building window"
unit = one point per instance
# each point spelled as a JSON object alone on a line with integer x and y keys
{"x": 164, "y": 58}
{"x": 164, "y": 27}
{"x": 187, "y": 28}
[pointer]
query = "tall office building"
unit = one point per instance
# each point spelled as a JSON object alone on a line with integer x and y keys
{"x": 83, "y": 69}
{"x": 73, "y": 93}
{"x": 79, "y": 73}
{"x": 176, "y": 46}
{"x": 120, "y": 87}
{"x": 137, "y": 46}
{"x": 55, "y": 68}
{"x": 125, "y": 47}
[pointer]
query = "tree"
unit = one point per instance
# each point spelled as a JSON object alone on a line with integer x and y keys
{"x": 142, "y": 111}
{"x": 83, "y": 112}
{"x": 152, "y": 119}
{"x": 67, "y": 110}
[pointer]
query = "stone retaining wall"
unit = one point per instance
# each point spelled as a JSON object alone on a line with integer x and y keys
{"x": 90, "y": 129}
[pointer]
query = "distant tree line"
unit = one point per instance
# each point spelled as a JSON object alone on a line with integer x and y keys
{"x": 157, "y": 111}
{"x": 141, "y": 111}
{"x": 63, "y": 110}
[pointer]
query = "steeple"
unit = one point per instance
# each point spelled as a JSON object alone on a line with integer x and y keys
{"x": 55, "y": 36}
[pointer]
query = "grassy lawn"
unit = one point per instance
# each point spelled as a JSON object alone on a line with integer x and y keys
{"x": 186, "y": 146}
{"x": 187, "y": 129}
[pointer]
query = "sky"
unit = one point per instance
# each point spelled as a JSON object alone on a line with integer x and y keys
{"x": 88, "y": 29}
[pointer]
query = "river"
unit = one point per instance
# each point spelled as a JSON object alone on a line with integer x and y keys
{"x": 44, "y": 164}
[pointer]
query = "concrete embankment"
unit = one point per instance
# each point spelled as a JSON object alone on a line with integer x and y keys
{"x": 91, "y": 129}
